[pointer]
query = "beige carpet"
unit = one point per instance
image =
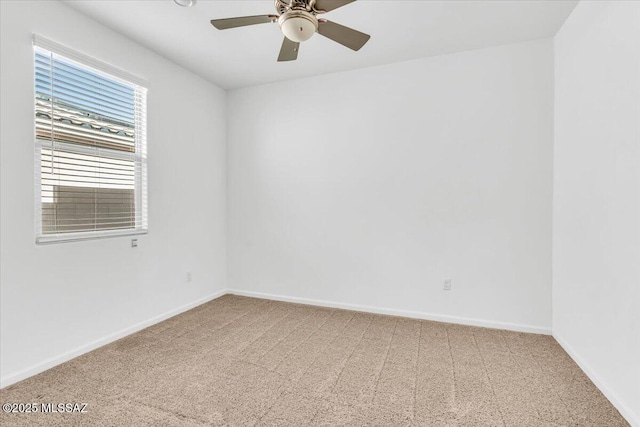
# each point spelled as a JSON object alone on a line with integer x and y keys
{"x": 243, "y": 361}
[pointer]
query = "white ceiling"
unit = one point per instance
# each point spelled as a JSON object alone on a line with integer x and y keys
{"x": 400, "y": 30}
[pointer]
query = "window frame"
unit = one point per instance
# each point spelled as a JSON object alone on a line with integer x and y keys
{"x": 140, "y": 157}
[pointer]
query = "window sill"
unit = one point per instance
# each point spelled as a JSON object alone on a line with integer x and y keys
{"x": 87, "y": 235}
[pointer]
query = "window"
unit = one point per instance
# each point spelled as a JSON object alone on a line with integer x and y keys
{"x": 90, "y": 147}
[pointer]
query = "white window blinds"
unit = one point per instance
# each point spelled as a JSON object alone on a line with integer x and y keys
{"x": 90, "y": 148}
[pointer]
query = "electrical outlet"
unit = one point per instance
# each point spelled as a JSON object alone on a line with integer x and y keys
{"x": 134, "y": 243}
{"x": 188, "y": 276}
{"x": 446, "y": 284}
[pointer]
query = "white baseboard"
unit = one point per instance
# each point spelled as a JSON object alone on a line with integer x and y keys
{"x": 625, "y": 411}
{"x": 403, "y": 313}
{"x": 50, "y": 363}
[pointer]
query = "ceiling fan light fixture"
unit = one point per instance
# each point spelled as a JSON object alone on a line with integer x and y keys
{"x": 185, "y": 3}
{"x": 298, "y": 21}
{"x": 298, "y": 25}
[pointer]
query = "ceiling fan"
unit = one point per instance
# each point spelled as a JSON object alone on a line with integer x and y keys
{"x": 298, "y": 20}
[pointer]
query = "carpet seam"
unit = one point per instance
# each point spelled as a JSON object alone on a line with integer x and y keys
{"x": 417, "y": 373}
{"x": 453, "y": 374}
{"x": 307, "y": 339}
{"x": 258, "y": 318}
{"x": 213, "y": 321}
{"x": 512, "y": 355}
{"x": 298, "y": 326}
{"x": 344, "y": 364}
{"x": 350, "y": 356}
{"x": 555, "y": 392}
{"x": 379, "y": 374}
{"x": 176, "y": 414}
{"x": 486, "y": 373}
{"x": 288, "y": 384}
{"x": 265, "y": 332}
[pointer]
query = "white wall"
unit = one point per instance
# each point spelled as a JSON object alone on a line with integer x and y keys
{"x": 58, "y": 298}
{"x": 366, "y": 188}
{"x": 596, "y": 238}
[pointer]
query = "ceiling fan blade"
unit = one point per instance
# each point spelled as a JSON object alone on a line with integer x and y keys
{"x": 327, "y": 5}
{"x": 288, "y": 51}
{"x": 225, "y": 24}
{"x": 344, "y": 35}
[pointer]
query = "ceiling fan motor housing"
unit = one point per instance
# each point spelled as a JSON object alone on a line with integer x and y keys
{"x": 298, "y": 25}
